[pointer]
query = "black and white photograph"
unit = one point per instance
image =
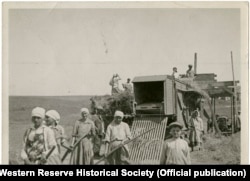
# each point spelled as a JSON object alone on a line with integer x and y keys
{"x": 125, "y": 83}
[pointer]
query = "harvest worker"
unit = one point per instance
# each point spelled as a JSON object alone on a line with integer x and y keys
{"x": 117, "y": 133}
{"x": 114, "y": 82}
{"x": 99, "y": 124}
{"x": 174, "y": 72}
{"x": 52, "y": 118}
{"x": 175, "y": 150}
{"x": 128, "y": 86}
{"x": 84, "y": 129}
{"x": 39, "y": 141}
{"x": 196, "y": 130}
{"x": 190, "y": 72}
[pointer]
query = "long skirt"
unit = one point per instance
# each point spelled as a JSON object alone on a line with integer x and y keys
{"x": 83, "y": 153}
{"x": 54, "y": 160}
{"x": 195, "y": 138}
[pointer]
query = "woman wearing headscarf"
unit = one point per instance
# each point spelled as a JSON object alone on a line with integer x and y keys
{"x": 117, "y": 133}
{"x": 196, "y": 130}
{"x": 39, "y": 145}
{"x": 52, "y": 118}
{"x": 84, "y": 129}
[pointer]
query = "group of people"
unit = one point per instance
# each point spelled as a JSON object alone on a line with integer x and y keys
{"x": 189, "y": 73}
{"x": 114, "y": 83}
{"x": 43, "y": 141}
{"x": 176, "y": 150}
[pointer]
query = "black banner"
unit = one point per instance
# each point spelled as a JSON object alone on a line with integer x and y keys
{"x": 144, "y": 171}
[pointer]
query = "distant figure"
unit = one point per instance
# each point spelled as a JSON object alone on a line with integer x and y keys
{"x": 222, "y": 122}
{"x": 238, "y": 123}
{"x": 39, "y": 141}
{"x": 114, "y": 82}
{"x": 128, "y": 86}
{"x": 174, "y": 73}
{"x": 190, "y": 72}
{"x": 196, "y": 130}
{"x": 117, "y": 133}
{"x": 175, "y": 150}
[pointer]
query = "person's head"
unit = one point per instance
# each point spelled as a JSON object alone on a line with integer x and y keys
{"x": 195, "y": 114}
{"x": 175, "y": 129}
{"x": 118, "y": 116}
{"x": 37, "y": 116}
{"x": 128, "y": 80}
{"x": 190, "y": 66}
{"x": 52, "y": 117}
{"x": 85, "y": 113}
{"x": 175, "y": 69}
{"x": 238, "y": 112}
{"x": 99, "y": 109}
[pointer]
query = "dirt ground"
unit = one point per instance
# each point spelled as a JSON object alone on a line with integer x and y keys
{"x": 223, "y": 150}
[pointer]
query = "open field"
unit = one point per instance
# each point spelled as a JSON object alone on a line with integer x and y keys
{"x": 69, "y": 109}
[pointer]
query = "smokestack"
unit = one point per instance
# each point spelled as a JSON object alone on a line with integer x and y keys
{"x": 195, "y": 63}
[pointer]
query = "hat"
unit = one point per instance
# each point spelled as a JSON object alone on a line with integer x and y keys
{"x": 38, "y": 112}
{"x": 119, "y": 114}
{"x": 54, "y": 115}
{"x": 175, "y": 124}
{"x": 190, "y": 65}
{"x": 86, "y": 110}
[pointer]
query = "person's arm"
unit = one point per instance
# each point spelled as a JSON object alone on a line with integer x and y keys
{"x": 202, "y": 127}
{"x": 127, "y": 132}
{"x": 63, "y": 139}
{"x": 163, "y": 154}
{"x": 50, "y": 142}
{"x": 24, "y": 155}
{"x": 188, "y": 155}
{"x": 75, "y": 132}
{"x": 93, "y": 130}
{"x": 118, "y": 77}
{"x": 107, "y": 140}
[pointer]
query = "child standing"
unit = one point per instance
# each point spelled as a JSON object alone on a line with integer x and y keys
{"x": 175, "y": 150}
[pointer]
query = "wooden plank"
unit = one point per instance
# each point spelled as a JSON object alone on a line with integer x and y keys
{"x": 223, "y": 84}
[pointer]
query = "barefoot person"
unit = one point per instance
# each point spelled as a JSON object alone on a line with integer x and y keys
{"x": 38, "y": 141}
{"x": 175, "y": 150}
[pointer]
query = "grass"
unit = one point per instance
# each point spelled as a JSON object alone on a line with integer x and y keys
{"x": 219, "y": 150}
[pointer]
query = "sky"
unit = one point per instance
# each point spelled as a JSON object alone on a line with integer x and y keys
{"x": 76, "y": 51}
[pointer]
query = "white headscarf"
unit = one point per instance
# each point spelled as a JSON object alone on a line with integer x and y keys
{"x": 119, "y": 113}
{"x": 38, "y": 112}
{"x": 86, "y": 110}
{"x": 54, "y": 115}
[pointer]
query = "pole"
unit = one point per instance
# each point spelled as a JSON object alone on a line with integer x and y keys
{"x": 235, "y": 95}
{"x": 195, "y": 63}
{"x": 121, "y": 145}
{"x": 214, "y": 106}
{"x": 232, "y": 114}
